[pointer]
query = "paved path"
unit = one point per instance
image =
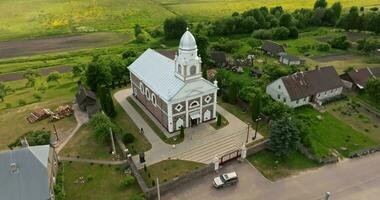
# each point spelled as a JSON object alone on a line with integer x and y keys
{"x": 81, "y": 118}
{"x": 357, "y": 179}
{"x": 201, "y": 143}
{"x": 105, "y": 162}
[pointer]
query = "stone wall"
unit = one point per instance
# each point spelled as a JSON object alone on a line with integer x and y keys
{"x": 365, "y": 151}
{"x": 257, "y": 147}
{"x": 305, "y": 151}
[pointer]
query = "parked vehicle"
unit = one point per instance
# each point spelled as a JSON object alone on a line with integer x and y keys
{"x": 225, "y": 180}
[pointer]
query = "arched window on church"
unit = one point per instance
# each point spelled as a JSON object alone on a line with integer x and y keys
{"x": 193, "y": 70}
{"x": 179, "y": 69}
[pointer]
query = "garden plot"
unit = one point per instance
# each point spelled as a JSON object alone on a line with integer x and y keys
{"x": 357, "y": 116}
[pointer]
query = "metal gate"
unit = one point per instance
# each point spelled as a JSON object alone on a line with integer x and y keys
{"x": 229, "y": 156}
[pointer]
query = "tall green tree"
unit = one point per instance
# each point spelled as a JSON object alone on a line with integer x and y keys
{"x": 283, "y": 136}
{"x": 202, "y": 44}
{"x": 98, "y": 74}
{"x": 320, "y": 4}
{"x": 337, "y": 8}
{"x": 100, "y": 125}
{"x": 256, "y": 107}
{"x": 233, "y": 92}
{"x": 174, "y": 27}
{"x": 106, "y": 101}
{"x": 373, "y": 89}
{"x": 286, "y": 20}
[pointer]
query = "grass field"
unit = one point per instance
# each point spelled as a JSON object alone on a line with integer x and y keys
{"x": 84, "y": 145}
{"x": 167, "y": 170}
{"x": 141, "y": 144}
{"x": 103, "y": 186}
{"x": 275, "y": 168}
{"x": 328, "y": 134}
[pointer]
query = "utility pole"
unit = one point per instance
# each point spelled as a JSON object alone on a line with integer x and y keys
{"x": 327, "y": 196}
{"x": 246, "y": 141}
{"x": 158, "y": 189}
{"x": 113, "y": 142}
{"x": 257, "y": 126}
{"x": 55, "y": 132}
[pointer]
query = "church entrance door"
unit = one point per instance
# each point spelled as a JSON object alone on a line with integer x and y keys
{"x": 195, "y": 118}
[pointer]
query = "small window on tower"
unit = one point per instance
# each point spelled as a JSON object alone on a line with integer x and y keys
{"x": 193, "y": 70}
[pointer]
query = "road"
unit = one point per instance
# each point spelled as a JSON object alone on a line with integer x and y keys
{"x": 357, "y": 179}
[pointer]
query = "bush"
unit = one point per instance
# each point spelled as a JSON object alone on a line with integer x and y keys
{"x": 39, "y": 137}
{"x": 100, "y": 125}
{"x": 322, "y": 47}
{"x": 37, "y": 96}
{"x": 128, "y": 138}
{"x": 141, "y": 38}
{"x": 21, "y": 102}
{"x": 281, "y": 33}
{"x": 129, "y": 53}
{"x": 137, "y": 197}
{"x": 262, "y": 34}
{"x": 182, "y": 132}
{"x": 293, "y": 33}
{"x": 340, "y": 42}
{"x": 219, "y": 120}
{"x": 8, "y": 105}
{"x": 127, "y": 181}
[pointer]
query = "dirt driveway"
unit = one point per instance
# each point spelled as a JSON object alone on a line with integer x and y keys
{"x": 61, "y": 43}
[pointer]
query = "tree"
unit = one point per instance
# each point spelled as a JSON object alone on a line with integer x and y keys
{"x": 256, "y": 107}
{"x": 202, "y": 44}
{"x": 320, "y": 4}
{"x": 373, "y": 89}
{"x": 53, "y": 77}
{"x": 98, "y": 74}
{"x": 78, "y": 70}
{"x": 4, "y": 91}
{"x": 31, "y": 77}
{"x": 283, "y": 136}
{"x": 218, "y": 119}
{"x": 138, "y": 30}
{"x": 281, "y": 33}
{"x": 337, "y": 8}
{"x": 275, "y": 110}
{"x": 174, "y": 27}
{"x": 340, "y": 42}
{"x": 204, "y": 72}
{"x": 286, "y": 20}
{"x": 254, "y": 43}
{"x": 233, "y": 92}
{"x": 293, "y": 33}
{"x": 182, "y": 132}
{"x": 106, "y": 101}
{"x": 100, "y": 125}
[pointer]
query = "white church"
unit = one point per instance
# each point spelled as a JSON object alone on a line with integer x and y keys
{"x": 173, "y": 90}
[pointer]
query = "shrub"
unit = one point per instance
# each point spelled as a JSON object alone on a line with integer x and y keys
{"x": 128, "y": 138}
{"x": 21, "y": 102}
{"x": 129, "y": 53}
{"x": 141, "y": 38}
{"x": 137, "y": 197}
{"x": 182, "y": 133}
{"x": 8, "y": 105}
{"x": 262, "y": 34}
{"x": 37, "y": 96}
{"x": 340, "y": 42}
{"x": 322, "y": 47}
{"x": 89, "y": 178}
{"x": 219, "y": 120}
{"x": 127, "y": 181}
{"x": 38, "y": 137}
{"x": 281, "y": 33}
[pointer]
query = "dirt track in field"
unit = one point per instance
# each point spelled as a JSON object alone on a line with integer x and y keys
{"x": 44, "y": 71}
{"x": 57, "y": 44}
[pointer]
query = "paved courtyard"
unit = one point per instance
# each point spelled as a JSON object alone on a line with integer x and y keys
{"x": 357, "y": 179}
{"x": 201, "y": 144}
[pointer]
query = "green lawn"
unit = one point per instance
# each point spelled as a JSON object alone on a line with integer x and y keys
{"x": 274, "y": 168}
{"x": 328, "y": 134}
{"x": 141, "y": 144}
{"x": 167, "y": 170}
{"x": 154, "y": 126}
{"x": 224, "y": 123}
{"x": 103, "y": 186}
{"x": 84, "y": 145}
{"x": 370, "y": 101}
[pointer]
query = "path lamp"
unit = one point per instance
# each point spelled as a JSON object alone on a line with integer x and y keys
{"x": 246, "y": 141}
{"x": 257, "y": 126}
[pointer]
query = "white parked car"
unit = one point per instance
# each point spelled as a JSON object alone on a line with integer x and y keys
{"x": 225, "y": 180}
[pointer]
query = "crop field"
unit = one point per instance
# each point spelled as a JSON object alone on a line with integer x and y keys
{"x": 32, "y": 18}
{"x": 197, "y": 9}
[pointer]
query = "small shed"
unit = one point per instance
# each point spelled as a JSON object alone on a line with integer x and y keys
{"x": 87, "y": 101}
{"x": 291, "y": 60}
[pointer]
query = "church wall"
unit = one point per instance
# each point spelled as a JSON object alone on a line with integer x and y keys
{"x": 174, "y": 111}
{"x": 210, "y": 108}
{"x": 212, "y": 98}
{"x": 159, "y": 111}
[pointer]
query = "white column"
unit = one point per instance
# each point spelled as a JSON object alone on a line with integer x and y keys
{"x": 170, "y": 117}
{"x": 187, "y": 114}
{"x": 215, "y": 102}
{"x": 201, "y": 108}
{"x": 216, "y": 163}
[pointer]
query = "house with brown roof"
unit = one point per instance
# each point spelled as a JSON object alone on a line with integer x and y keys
{"x": 86, "y": 100}
{"x": 273, "y": 49}
{"x": 310, "y": 87}
{"x": 358, "y": 78}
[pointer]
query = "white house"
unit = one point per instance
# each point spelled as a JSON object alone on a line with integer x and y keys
{"x": 301, "y": 88}
{"x": 173, "y": 90}
{"x": 291, "y": 60}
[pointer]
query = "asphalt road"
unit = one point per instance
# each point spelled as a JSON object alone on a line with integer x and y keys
{"x": 357, "y": 179}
